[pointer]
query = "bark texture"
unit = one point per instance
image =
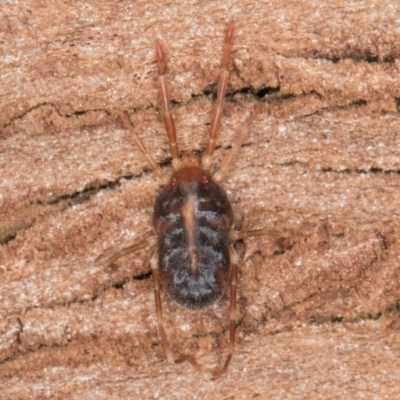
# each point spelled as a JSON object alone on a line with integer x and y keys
{"x": 319, "y": 299}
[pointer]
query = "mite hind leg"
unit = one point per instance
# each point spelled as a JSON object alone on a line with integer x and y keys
{"x": 160, "y": 320}
{"x": 232, "y": 312}
{"x": 236, "y": 235}
{"x": 157, "y": 296}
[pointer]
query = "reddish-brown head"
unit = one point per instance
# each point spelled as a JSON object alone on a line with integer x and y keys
{"x": 188, "y": 175}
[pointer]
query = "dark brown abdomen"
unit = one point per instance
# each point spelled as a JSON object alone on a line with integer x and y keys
{"x": 192, "y": 217}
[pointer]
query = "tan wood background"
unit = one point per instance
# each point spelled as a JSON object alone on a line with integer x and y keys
{"x": 318, "y": 302}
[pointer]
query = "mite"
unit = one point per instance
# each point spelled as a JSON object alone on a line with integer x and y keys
{"x": 194, "y": 261}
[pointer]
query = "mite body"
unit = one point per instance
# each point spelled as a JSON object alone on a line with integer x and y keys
{"x": 192, "y": 219}
{"x": 194, "y": 261}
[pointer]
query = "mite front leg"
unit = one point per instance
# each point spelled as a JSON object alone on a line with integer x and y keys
{"x": 218, "y": 108}
{"x": 165, "y": 102}
{"x": 232, "y": 313}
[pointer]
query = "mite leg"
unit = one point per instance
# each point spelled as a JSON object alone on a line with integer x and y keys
{"x": 139, "y": 143}
{"x": 230, "y": 157}
{"x": 108, "y": 260}
{"x": 165, "y": 102}
{"x": 157, "y": 297}
{"x": 222, "y": 85}
{"x": 237, "y": 235}
{"x": 160, "y": 320}
{"x": 232, "y": 312}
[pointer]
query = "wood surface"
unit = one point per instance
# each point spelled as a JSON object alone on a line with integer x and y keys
{"x": 319, "y": 298}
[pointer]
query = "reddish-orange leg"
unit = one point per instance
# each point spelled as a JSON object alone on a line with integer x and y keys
{"x": 230, "y": 156}
{"x": 149, "y": 242}
{"x": 108, "y": 260}
{"x": 165, "y": 102}
{"x": 232, "y": 312}
{"x": 221, "y": 91}
{"x": 157, "y": 296}
{"x": 233, "y": 236}
{"x": 139, "y": 143}
{"x": 160, "y": 320}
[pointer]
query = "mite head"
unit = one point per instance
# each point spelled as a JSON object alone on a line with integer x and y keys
{"x": 188, "y": 172}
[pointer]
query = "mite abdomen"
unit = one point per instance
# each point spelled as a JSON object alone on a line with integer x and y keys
{"x": 197, "y": 280}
